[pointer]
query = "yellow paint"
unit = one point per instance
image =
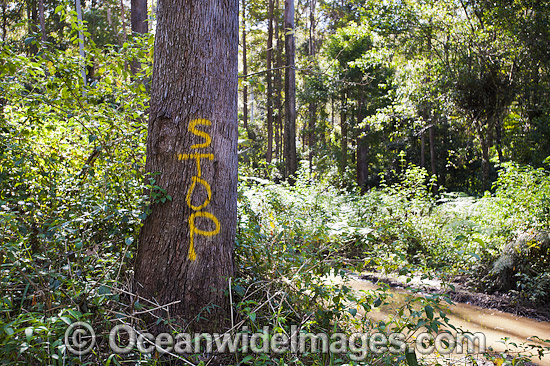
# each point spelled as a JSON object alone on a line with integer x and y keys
{"x": 192, "y": 188}
{"x": 194, "y": 230}
{"x": 198, "y": 158}
{"x": 205, "y": 135}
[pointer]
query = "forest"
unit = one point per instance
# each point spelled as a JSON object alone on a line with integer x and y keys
{"x": 275, "y": 182}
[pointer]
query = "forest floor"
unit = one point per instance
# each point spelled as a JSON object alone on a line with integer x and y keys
{"x": 460, "y": 293}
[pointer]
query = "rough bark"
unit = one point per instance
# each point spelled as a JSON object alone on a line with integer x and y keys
{"x": 269, "y": 76}
{"x": 185, "y": 248}
{"x": 291, "y": 163}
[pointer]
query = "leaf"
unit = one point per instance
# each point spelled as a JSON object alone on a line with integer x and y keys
{"x": 411, "y": 358}
{"x": 246, "y": 359}
{"x": 429, "y": 312}
{"x": 352, "y": 311}
{"x": 28, "y": 333}
{"x": 252, "y": 317}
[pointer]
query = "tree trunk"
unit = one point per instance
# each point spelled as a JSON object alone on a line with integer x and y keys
{"x": 312, "y": 105}
{"x": 4, "y": 21}
{"x": 32, "y": 14}
{"x": 485, "y": 163}
{"x": 278, "y": 88}
{"x": 362, "y": 150}
{"x": 138, "y": 16}
{"x": 81, "y": 45}
{"x": 123, "y": 21}
{"x": 432, "y": 154}
{"x": 245, "y": 68}
{"x": 138, "y": 20}
{"x": 423, "y": 149}
{"x": 290, "y": 94}
{"x": 344, "y": 130}
{"x": 311, "y": 134}
{"x": 498, "y": 133}
{"x": 185, "y": 248}
{"x": 269, "y": 76}
{"x": 42, "y": 19}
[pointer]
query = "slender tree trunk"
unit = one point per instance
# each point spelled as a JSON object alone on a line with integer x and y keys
{"x": 344, "y": 130}
{"x": 362, "y": 149}
{"x": 432, "y": 153}
{"x": 485, "y": 163}
{"x": 42, "y": 20}
{"x": 81, "y": 45}
{"x": 332, "y": 112}
{"x": 422, "y": 148}
{"x": 138, "y": 20}
{"x": 245, "y": 67}
{"x": 185, "y": 251}
{"x": 312, "y": 105}
{"x": 269, "y": 76}
{"x": 138, "y": 16}
{"x": 498, "y": 133}
{"x": 278, "y": 87}
{"x": 4, "y": 21}
{"x": 290, "y": 93}
{"x": 311, "y": 134}
{"x": 32, "y": 15}
{"x": 123, "y": 21}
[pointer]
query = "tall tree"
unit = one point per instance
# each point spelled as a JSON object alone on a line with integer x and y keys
{"x": 269, "y": 62}
{"x": 313, "y": 103}
{"x": 32, "y": 16}
{"x": 42, "y": 19}
{"x": 138, "y": 20}
{"x": 278, "y": 84}
{"x": 123, "y": 20}
{"x": 81, "y": 43}
{"x": 291, "y": 161}
{"x": 185, "y": 248}
{"x": 245, "y": 66}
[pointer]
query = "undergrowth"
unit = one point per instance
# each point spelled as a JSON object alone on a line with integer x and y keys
{"x": 72, "y": 200}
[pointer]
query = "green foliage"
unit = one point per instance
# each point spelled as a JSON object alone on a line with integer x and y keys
{"x": 293, "y": 243}
{"x": 72, "y": 192}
